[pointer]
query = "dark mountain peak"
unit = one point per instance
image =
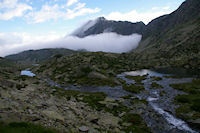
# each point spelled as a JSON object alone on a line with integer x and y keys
{"x": 101, "y": 19}
{"x": 102, "y": 25}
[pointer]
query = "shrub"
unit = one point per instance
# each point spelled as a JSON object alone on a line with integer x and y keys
{"x": 133, "y": 88}
{"x": 23, "y": 127}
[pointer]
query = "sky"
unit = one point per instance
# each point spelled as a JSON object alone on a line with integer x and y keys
{"x": 29, "y": 21}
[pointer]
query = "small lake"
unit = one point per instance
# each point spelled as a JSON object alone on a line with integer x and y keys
{"x": 27, "y": 73}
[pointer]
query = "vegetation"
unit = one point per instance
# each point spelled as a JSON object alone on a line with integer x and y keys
{"x": 174, "y": 77}
{"x": 156, "y": 78}
{"x": 155, "y": 85}
{"x": 136, "y": 101}
{"x": 190, "y": 102}
{"x": 136, "y": 124}
{"x": 37, "y": 56}
{"x": 87, "y": 68}
{"x": 136, "y": 78}
{"x": 191, "y": 88}
{"x": 133, "y": 88}
{"x": 23, "y": 127}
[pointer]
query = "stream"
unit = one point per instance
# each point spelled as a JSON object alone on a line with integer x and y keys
{"x": 160, "y": 112}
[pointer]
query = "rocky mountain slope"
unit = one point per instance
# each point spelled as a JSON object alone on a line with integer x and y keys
{"x": 35, "y": 56}
{"x": 101, "y": 25}
{"x": 88, "y": 68}
{"x": 169, "y": 40}
{"x": 173, "y": 39}
{"x": 25, "y": 100}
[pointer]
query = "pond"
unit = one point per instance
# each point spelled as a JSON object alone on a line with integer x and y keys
{"x": 27, "y": 73}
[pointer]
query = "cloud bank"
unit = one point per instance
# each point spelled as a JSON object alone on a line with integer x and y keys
{"x": 135, "y": 16}
{"x": 106, "y": 42}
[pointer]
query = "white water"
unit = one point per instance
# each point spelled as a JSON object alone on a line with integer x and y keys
{"x": 144, "y": 72}
{"x": 177, "y": 123}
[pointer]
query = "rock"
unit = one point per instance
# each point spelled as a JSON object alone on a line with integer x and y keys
{"x": 30, "y": 111}
{"x": 96, "y": 75}
{"x": 65, "y": 108}
{"x": 111, "y": 105}
{"x": 108, "y": 119}
{"x": 107, "y": 99}
{"x": 126, "y": 124}
{"x": 83, "y": 128}
{"x": 92, "y": 130}
{"x": 197, "y": 121}
{"x": 53, "y": 115}
{"x": 73, "y": 99}
{"x": 103, "y": 102}
{"x": 122, "y": 114}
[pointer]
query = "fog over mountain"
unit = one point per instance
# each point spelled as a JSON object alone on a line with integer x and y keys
{"x": 106, "y": 42}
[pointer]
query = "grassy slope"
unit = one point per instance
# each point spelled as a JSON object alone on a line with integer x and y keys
{"x": 77, "y": 68}
{"x": 176, "y": 47}
{"x": 189, "y": 104}
{"x": 35, "y": 56}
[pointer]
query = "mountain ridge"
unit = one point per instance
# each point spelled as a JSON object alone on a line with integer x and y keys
{"x": 101, "y": 25}
{"x": 36, "y": 56}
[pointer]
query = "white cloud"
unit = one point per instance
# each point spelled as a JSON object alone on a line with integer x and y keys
{"x": 46, "y": 13}
{"x": 55, "y": 12}
{"x": 135, "y": 16}
{"x": 71, "y": 2}
{"x": 166, "y": 8}
{"x": 12, "y": 8}
{"x": 107, "y": 42}
{"x": 161, "y": 8}
{"x": 8, "y": 3}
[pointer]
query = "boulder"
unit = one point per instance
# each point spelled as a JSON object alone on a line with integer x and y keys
{"x": 96, "y": 75}
{"x": 53, "y": 115}
{"x": 109, "y": 120}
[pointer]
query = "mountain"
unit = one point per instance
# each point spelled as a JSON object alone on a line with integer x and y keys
{"x": 101, "y": 25}
{"x": 173, "y": 39}
{"x": 4, "y": 63}
{"x": 189, "y": 10}
{"x": 35, "y": 56}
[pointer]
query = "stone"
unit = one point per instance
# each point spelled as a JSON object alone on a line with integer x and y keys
{"x": 108, "y": 119}
{"x": 53, "y": 115}
{"x": 197, "y": 121}
{"x": 107, "y": 99}
{"x": 111, "y": 105}
{"x": 96, "y": 75}
{"x": 83, "y": 128}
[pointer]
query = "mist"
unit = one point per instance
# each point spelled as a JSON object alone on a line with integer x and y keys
{"x": 106, "y": 42}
